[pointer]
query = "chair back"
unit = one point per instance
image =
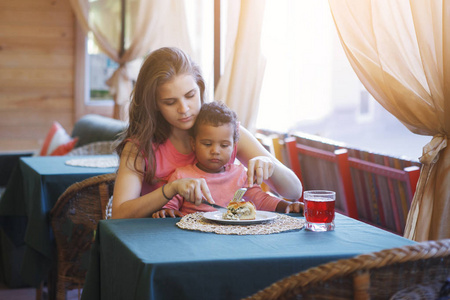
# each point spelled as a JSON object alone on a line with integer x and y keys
{"x": 383, "y": 188}
{"x": 321, "y": 166}
{"x": 406, "y": 272}
{"x": 95, "y": 148}
{"x": 373, "y": 188}
{"x": 74, "y": 221}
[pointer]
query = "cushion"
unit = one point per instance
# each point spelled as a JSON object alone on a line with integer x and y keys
{"x": 96, "y": 128}
{"x": 57, "y": 141}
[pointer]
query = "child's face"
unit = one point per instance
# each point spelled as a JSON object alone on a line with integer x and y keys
{"x": 179, "y": 101}
{"x": 213, "y": 147}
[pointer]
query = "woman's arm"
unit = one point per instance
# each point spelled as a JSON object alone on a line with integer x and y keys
{"x": 128, "y": 202}
{"x": 264, "y": 166}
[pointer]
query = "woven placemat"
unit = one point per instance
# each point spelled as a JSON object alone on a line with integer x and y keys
{"x": 196, "y": 221}
{"x": 100, "y": 162}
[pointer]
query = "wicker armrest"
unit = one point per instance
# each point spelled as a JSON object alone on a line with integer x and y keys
{"x": 377, "y": 275}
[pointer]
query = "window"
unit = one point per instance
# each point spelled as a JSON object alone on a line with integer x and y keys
{"x": 101, "y": 67}
{"x": 309, "y": 85}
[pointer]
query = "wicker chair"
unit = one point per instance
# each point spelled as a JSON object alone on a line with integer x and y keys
{"x": 74, "y": 220}
{"x": 388, "y": 274}
{"x": 96, "y": 148}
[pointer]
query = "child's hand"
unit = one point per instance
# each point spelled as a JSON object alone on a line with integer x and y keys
{"x": 165, "y": 212}
{"x": 296, "y": 207}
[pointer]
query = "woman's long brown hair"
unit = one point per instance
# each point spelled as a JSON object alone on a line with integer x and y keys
{"x": 147, "y": 126}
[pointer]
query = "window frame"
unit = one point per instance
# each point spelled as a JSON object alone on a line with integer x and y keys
{"x": 82, "y": 103}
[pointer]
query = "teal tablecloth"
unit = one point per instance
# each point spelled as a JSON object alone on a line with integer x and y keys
{"x": 154, "y": 259}
{"x": 33, "y": 189}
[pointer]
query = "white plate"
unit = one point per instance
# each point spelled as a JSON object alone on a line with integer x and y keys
{"x": 261, "y": 216}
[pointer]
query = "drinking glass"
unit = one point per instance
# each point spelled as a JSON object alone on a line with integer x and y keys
{"x": 319, "y": 210}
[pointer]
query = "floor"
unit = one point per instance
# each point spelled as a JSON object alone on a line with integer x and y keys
{"x": 29, "y": 293}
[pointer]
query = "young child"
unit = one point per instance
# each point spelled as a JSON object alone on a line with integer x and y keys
{"x": 214, "y": 139}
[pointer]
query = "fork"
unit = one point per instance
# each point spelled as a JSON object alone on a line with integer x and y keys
{"x": 238, "y": 195}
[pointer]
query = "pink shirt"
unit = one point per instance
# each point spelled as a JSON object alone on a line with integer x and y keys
{"x": 222, "y": 187}
{"x": 168, "y": 159}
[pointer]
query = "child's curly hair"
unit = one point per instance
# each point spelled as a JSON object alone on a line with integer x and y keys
{"x": 216, "y": 113}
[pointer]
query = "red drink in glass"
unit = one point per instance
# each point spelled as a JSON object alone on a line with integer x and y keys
{"x": 319, "y": 210}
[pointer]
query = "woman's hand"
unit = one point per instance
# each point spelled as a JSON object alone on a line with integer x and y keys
{"x": 259, "y": 168}
{"x": 165, "y": 212}
{"x": 191, "y": 189}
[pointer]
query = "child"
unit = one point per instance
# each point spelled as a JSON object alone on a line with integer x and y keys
{"x": 214, "y": 138}
{"x": 166, "y": 99}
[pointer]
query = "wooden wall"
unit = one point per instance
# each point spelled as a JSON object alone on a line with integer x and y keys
{"x": 37, "y": 58}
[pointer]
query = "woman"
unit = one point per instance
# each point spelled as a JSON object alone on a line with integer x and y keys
{"x": 167, "y": 97}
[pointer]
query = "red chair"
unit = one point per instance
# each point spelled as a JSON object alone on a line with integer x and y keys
{"x": 330, "y": 179}
{"x": 368, "y": 190}
{"x": 384, "y": 193}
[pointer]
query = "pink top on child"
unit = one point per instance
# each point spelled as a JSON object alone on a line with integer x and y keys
{"x": 168, "y": 159}
{"x": 222, "y": 187}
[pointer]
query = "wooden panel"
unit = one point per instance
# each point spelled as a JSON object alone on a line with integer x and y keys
{"x": 24, "y": 60}
{"x": 19, "y": 144}
{"x": 34, "y": 45}
{"x": 30, "y": 17}
{"x": 47, "y": 32}
{"x": 58, "y": 99}
{"x": 35, "y": 5}
{"x": 50, "y": 78}
{"x": 36, "y": 71}
{"x": 29, "y": 128}
{"x": 33, "y": 119}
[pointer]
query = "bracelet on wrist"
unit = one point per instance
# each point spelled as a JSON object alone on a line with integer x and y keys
{"x": 164, "y": 194}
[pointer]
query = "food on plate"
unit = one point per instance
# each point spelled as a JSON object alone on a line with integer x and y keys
{"x": 242, "y": 210}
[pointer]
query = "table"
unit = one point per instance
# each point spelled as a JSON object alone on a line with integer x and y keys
{"x": 154, "y": 259}
{"x": 34, "y": 187}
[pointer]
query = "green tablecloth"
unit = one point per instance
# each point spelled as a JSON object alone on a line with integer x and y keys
{"x": 154, "y": 259}
{"x": 34, "y": 188}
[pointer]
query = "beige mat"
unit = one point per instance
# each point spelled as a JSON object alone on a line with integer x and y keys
{"x": 196, "y": 221}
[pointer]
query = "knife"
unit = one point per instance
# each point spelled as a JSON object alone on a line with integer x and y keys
{"x": 218, "y": 207}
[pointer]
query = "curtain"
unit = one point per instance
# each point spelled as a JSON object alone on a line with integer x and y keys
{"x": 240, "y": 85}
{"x": 400, "y": 50}
{"x": 149, "y": 24}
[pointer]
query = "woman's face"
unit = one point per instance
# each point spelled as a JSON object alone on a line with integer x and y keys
{"x": 179, "y": 101}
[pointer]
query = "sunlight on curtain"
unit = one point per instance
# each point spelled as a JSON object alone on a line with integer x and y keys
{"x": 297, "y": 42}
{"x": 400, "y": 52}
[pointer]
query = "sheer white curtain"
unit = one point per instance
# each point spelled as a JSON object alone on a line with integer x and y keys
{"x": 149, "y": 24}
{"x": 400, "y": 50}
{"x": 240, "y": 85}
